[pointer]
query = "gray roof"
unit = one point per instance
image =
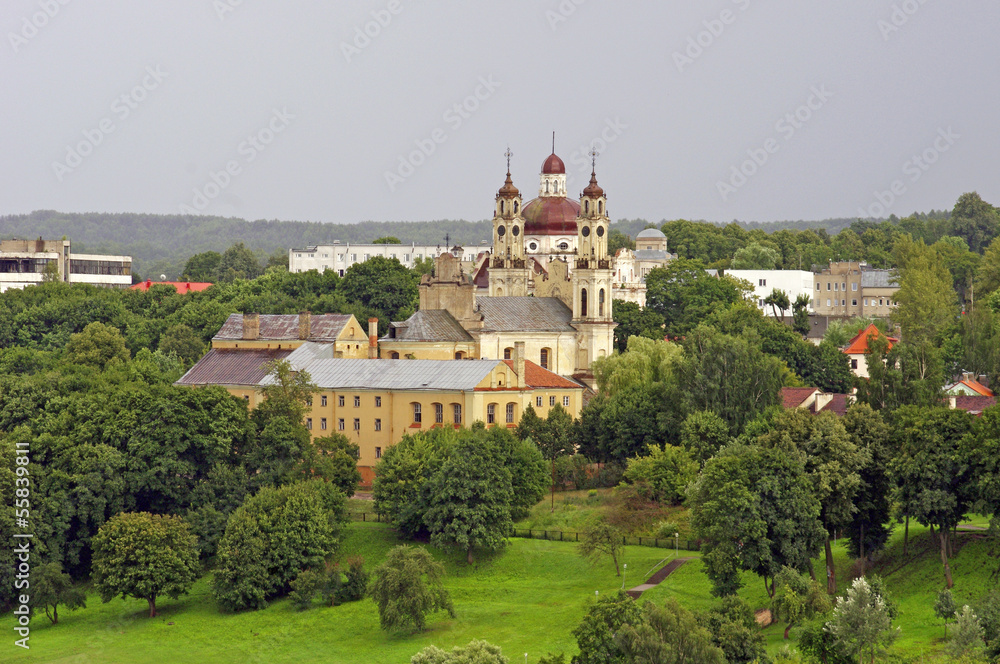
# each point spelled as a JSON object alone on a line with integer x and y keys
{"x": 282, "y": 327}
{"x": 429, "y": 325}
{"x": 528, "y": 314}
{"x": 651, "y": 255}
{"x": 877, "y": 279}
{"x": 232, "y": 366}
{"x": 397, "y": 374}
{"x": 308, "y": 352}
{"x": 650, "y": 232}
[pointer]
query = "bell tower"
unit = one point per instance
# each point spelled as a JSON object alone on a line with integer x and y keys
{"x": 592, "y": 278}
{"x": 508, "y": 269}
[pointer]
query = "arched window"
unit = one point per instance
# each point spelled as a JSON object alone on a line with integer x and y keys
{"x": 600, "y": 207}
{"x": 510, "y": 413}
{"x": 600, "y": 302}
{"x": 543, "y": 358}
{"x": 583, "y": 302}
{"x": 586, "y": 206}
{"x": 508, "y": 353}
{"x": 416, "y": 413}
{"x": 459, "y": 355}
{"x": 515, "y": 207}
{"x": 393, "y": 356}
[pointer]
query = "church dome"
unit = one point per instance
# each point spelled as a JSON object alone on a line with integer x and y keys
{"x": 551, "y": 215}
{"x": 593, "y": 190}
{"x": 650, "y": 233}
{"x": 553, "y": 165}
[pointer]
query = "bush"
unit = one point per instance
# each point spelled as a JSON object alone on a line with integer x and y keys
{"x": 666, "y": 530}
{"x": 663, "y": 474}
{"x": 356, "y": 585}
{"x": 273, "y": 536}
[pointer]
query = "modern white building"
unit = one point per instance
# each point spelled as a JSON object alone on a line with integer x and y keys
{"x": 28, "y": 262}
{"x": 792, "y": 282}
{"x": 339, "y": 257}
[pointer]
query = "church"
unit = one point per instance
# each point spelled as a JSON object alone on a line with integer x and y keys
{"x": 549, "y": 281}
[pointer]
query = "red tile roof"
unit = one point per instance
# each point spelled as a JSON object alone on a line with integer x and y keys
{"x": 974, "y": 405}
{"x": 838, "y": 405}
{"x": 859, "y": 344}
{"x": 977, "y": 387}
{"x": 183, "y": 287}
{"x": 793, "y": 397}
{"x": 232, "y": 366}
{"x": 539, "y": 378}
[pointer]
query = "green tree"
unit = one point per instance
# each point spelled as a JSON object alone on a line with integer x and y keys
{"x": 96, "y": 346}
{"x": 382, "y": 285}
{"x": 333, "y": 458}
{"x": 476, "y": 652}
{"x": 407, "y": 586}
{"x": 618, "y": 240}
{"x": 51, "y": 587}
{"x": 734, "y": 629}
{"x": 861, "y": 623}
{"x": 271, "y": 537}
{"x": 662, "y": 474}
{"x": 237, "y": 262}
{"x": 868, "y": 531}
{"x": 800, "y": 314}
{"x": 422, "y": 266}
{"x": 684, "y": 294}
{"x": 469, "y": 499}
{"x": 778, "y": 301}
{"x": 756, "y": 256}
{"x": 400, "y": 475}
{"x": 968, "y": 640}
{"x": 703, "y": 433}
{"x": 635, "y": 321}
{"x": 551, "y": 435}
{"x": 797, "y": 598}
{"x": 596, "y": 633}
{"x": 202, "y": 267}
{"x": 668, "y": 634}
{"x": 945, "y": 608}
{"x": 388, "y": 239}
{"x": 975, "y": 221}
{"x": 183, "y": 341}
{"x": 143, "y": 555}
{"x": 600, "y": 538}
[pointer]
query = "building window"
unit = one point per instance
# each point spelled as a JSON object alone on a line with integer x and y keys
{"x": 491, "y": 413}
{"x": 357, "y": 424}
{"x": 322, "y": 423}
{"x": 322, "y": 400}
{"x": 378, "y": 450}
{"x": 357, "y": 401}
{"x": 309, "y": 401}
{"x": 854, "y": 364}
{"x": 394, "y": 356}
{"x": 843, "y": 286}
{"x": 854, "y": 286}
{"x": 416, "y": 413}
{"x": 854, "y": 303}
{"x": 458, "y": 355}
{"x": 817, "y": 286}
{"x": 340, "y": 424}
{"x": 600, "y": 302}
{"x": 843, "y": 303}
{"x": 354, "y": 258}
{"x": 583, "y": 302}
{"x": 828, "y": 286}
{"x": 827, "y": 301}
{"x": 880, "y": 302}
{"x": 543, "y": 358}
{"x": 510, "y": 413}
{"x": 836, "y": 287}
{"x": 552, "y": 401}
{"x": 439, "y": 413}
{"x": 309, "y": 423}
{"x": 340, "y": 400}
{"x": 378, "y": 402}
{"x": 507, "y": 353}
{"x": 866, "y": 301}
{"x": 538, "y": 402}
{"x": 406, "y": 257}
{"x": 565, "y": 402}
{"x": 456, "y": 413}
{"x": 246, "y": 397}
{"x": 762, "y": 282}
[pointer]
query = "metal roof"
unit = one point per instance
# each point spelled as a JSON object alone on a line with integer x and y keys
{"x": 398, "y": 374}
{"x": 429, "y": 325}
{"x": 650, "y": 232}
{"x": 285, "y": 327}
{"x": 524, "y": 314}
{"x": 231, "y": 366}
{"x": 651, "y": 255}
{"x": 877, "y": 279}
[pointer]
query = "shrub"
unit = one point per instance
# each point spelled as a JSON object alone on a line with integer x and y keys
{"x": 663, "y": 473}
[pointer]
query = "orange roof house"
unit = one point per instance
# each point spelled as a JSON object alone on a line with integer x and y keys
{"x": 968, "y": 386}
{"x": 183, "y": 287}
{"x": 858, "y": 346}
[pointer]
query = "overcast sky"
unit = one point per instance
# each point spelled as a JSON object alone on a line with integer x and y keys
{"x": 398, "y": 110}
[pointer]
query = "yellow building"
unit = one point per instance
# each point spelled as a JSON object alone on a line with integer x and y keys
{"x": 375, "y": 402}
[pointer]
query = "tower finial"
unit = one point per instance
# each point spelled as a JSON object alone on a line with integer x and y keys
{"x": 553, "y": 141}
{"x": 594, "y": 154}
{"x": 508, "y": 154}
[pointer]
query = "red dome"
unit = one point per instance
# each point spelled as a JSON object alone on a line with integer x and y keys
{"x": 550, "y": 215}
{"x": 553, "y": 166}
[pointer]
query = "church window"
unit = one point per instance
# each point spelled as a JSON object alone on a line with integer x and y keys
{"x": 543, "y": 358}
{"x": 515, "y": 230}
{"x": 583, "y": 302}
{"x": 394, "y": 356}
{"x": 585, "y": 231}
{"x": 564, "y": 246}
{"x": 501, "y": 231}
{"x": 515, "y": 207}
{"x": 600, "y": 231}
{"x": 533, "y": 246}
{"x": 586, "y": 206}
{"x": 600, "y": 302}
{"x": 507, "y": 353}
{"x": 600, "y": 208}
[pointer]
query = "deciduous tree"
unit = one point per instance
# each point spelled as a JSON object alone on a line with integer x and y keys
{"x": 407, "y": 586}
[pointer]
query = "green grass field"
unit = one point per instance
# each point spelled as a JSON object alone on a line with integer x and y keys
{"x": 526, "y": 599}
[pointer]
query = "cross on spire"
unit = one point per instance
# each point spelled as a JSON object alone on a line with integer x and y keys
{"x": 594, "y": 154}
{"x": 508, "y": 154}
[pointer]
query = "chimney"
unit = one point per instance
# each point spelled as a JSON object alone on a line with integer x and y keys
{"x": 372, "y": 338}
{"x": 305, "y": 325}
{"x": 984, "y": 380}
{"x": 519, "y": 363}
{"x": 251, "y": 326}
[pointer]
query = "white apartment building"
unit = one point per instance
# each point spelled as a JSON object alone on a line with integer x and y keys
{"x": 339, "y": 257}
{"x": 28, "y": 262}
{"x": 792, "y": 282}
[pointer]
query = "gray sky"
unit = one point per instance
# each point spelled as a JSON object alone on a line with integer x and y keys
{"x": 719, "y": 110}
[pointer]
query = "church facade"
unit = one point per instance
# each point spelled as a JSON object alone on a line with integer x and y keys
{"x": 550, "y": 285}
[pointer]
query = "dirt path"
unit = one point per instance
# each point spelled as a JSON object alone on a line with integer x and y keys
{"x": 655, "y": 580}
